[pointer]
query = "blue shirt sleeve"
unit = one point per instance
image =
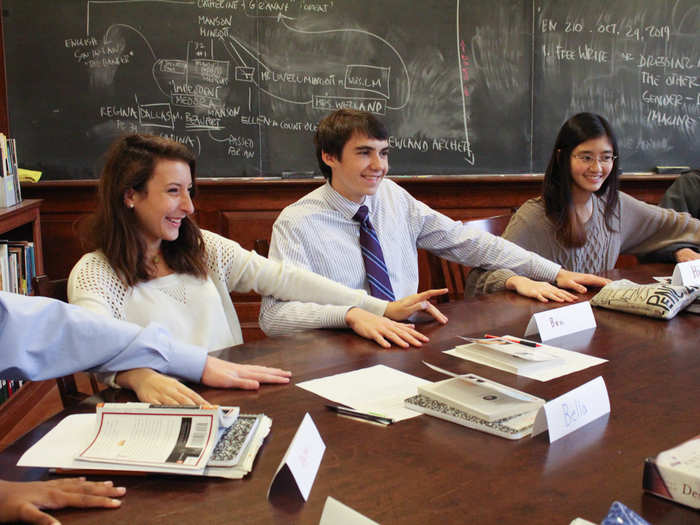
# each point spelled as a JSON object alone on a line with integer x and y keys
{"x": 41, "y": 338}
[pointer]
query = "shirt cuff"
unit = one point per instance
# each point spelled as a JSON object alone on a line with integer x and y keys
{"x": 334, "y": 316}
{"x": 107, "y": 378}
{"x": 547, "y": 273}
{"x": 186, "y": 361}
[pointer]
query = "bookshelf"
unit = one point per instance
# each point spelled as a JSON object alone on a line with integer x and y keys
{"x": 22, "y": 222}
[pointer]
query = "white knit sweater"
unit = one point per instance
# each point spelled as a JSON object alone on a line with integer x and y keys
{"x": 94, "y": 284}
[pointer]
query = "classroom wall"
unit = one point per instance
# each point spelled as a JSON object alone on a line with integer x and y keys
{"x": 245, "y": 210}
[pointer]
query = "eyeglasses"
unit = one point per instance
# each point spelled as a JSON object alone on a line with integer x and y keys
{"x": 587, "y": 159}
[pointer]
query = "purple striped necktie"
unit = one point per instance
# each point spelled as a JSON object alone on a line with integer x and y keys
{"x": 377, "y": 274}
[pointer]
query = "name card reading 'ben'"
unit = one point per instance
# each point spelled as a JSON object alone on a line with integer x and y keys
{"x": 571, "y": 411}
{"x": 559, "y": 322}
{"x": 687, "y": 273}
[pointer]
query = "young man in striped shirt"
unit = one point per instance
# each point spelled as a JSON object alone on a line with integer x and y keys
{"x": 321, "y": 232}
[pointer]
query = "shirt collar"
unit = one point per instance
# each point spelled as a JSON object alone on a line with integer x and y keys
{"x": 344, "y": 206}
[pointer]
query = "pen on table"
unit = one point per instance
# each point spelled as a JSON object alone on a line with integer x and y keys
{"x": 524, "y": 342}
{"x": 346, "y": 411}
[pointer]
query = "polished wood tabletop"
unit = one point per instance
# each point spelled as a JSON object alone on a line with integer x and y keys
{"x": 426, "y": 470}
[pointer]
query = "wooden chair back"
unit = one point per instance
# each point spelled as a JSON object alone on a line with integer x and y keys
{"x": 262, "y": 247}
{"x": 56, "y": 289}
{"x": 451, "y": 275}
{"x": 67, "y": 386}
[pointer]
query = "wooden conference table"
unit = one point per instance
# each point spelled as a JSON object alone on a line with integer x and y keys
{"x": 426, "y": 470}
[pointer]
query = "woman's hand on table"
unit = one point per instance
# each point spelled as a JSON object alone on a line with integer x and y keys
{"x": 158, "y": 389}
{"x": 22, "y": 501}
{"x": 224, "y": 374}
{"x": 539, "y": 290}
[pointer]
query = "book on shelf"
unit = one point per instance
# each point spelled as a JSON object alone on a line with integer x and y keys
{"x": 10, "y": 192}
{"x": 478, "y": 403}
{"x": 17, "y": 266}
{"x": 9, "y": 387}
{"x": 4, "y": 267}
{"x": 138, "y": 437}
{"x": 508, "y": 353}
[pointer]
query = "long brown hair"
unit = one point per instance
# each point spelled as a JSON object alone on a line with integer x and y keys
{"x": 114, "y": 228}
{"x": 556, "y": 190}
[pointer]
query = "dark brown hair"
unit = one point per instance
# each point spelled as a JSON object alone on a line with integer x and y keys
{"x": 336, "y": 129}
{"x": 556, "y": 189}
{"x": 114, "y": 229}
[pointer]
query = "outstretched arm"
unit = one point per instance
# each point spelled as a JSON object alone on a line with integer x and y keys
{"x": 43, "y": 338}
{"x": 152, "y": 387}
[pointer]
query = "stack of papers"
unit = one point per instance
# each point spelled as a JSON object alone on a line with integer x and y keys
{"x": 555, "y": 362}
{"x": 137, "y": 437}
{"x": 507, "y": 354}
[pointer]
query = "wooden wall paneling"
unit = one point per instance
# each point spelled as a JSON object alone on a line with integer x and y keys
{"x": 62, "y": 245}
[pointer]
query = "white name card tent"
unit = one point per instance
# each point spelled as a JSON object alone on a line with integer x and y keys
{"x": 300, "y": 463}
{"x": 573, "y": 410}
{"x": 336, "y": 513}
{"x": 686, "y": 274}
{"x": 559, "y": 322}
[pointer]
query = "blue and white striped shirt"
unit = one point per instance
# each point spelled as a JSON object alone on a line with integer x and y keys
{"x": 318, "y": 233}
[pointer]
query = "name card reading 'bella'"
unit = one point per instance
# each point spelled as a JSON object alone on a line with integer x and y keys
{"x": 301, "y": 461}
{"x": 687, "y": 273}
{"x": 571, "y": 411}
{"x": 336, "y": 513}
{"x": 559, "y": 322}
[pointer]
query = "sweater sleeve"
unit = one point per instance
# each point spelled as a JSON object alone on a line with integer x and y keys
{"x": 521, "y": 231}
{"x": 244, "y": 270}
{"x": 651, "y": 229}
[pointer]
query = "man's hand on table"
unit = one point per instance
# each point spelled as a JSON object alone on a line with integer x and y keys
{"x": 419, "y": 302}
{"x": 383, "y": 330}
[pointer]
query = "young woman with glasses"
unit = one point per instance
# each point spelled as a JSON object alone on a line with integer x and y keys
{"x": 582, "y": 220}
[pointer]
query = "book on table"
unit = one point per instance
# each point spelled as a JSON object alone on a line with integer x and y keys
{"x": 675, "y": 473}
{"x": 138, "y": 437}
{"x": 478, "y": 403}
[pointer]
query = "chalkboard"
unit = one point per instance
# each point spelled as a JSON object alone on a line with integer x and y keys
{"x": 465, "y": 87}
{"x": 637, "y": 62}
